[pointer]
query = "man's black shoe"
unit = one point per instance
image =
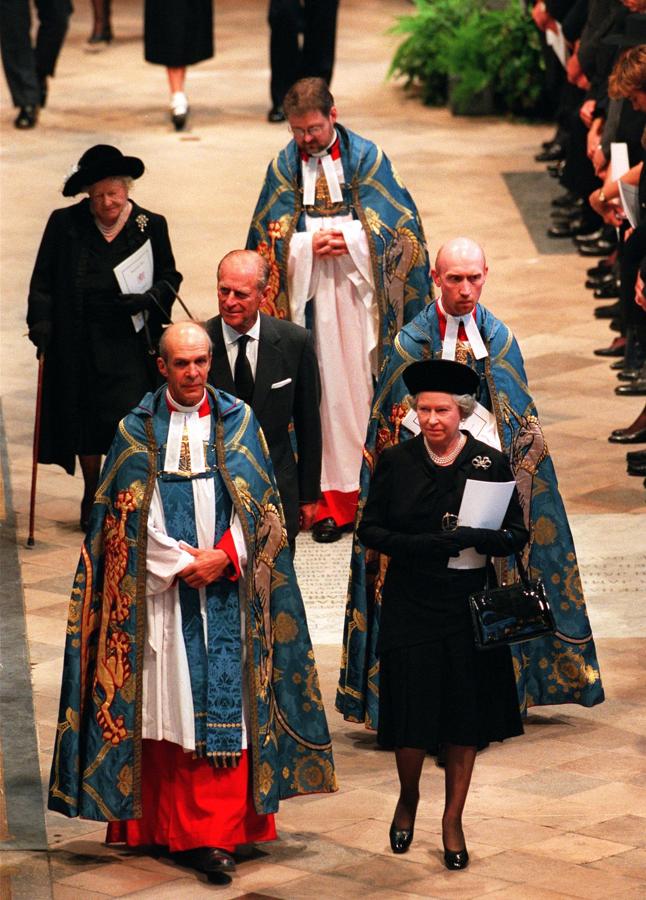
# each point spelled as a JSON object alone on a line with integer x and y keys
{"x": 326, "y": 531}
{"x": 587, "y": 237}
{"x": 602, "y": 247}
{"x": 607, "y": 312}
{"x": 603, "y": 267}
{"x": 567, "y": 201}
{"x": 276, "y": 114}
{"x": 617, "y": 348}
{"x": 599, "y": 281}
{"x": 632, "y": 389}
{"x": 565, "y": 229}
{"x": 630, "y": 374}
{"x": 606, "y": 291}
{"x": 27, "y": 117}
{"x": 556, "y": 169}
{"x": 553, "y": 152}
{"x": 206, "y": 859}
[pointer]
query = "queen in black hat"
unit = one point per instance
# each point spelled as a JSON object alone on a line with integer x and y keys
{"x": 437, "y": 693}
{"x": 97, "y": 336}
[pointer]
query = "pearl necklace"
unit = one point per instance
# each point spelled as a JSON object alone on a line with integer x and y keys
{"x": 448, "y": 458}
{"x": 110, "y": 232}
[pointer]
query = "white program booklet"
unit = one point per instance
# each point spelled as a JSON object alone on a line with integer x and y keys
{"x": 619, "y": 163}
{"x": 135, "y": 276}
{"x": 484, "y": 504}
{"x": 629, "y": 195}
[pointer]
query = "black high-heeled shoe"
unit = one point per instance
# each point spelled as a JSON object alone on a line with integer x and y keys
{"x": 456, "y": 859}
{"x": 400, "y": 838}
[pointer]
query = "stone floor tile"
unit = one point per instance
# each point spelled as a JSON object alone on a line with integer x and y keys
{"x": 631, "y": 863}
{"x": 576, "y": 848}
{"x": 329, "y": 887}
{"x": 629, "y": 829}
{"x": 528, "y": 892}
{"x": 386, "y": 872}
{"x": 117, "y": 878}
{"x": 591, "y": 883}
{"x": 522, "y": 867}
{"x": 461, "y": 885}
{"x": 509, "y": 833}
{"x": 63, "y": 892}
{"x": 611, "y": 767}
{"x": 553, "y": 783}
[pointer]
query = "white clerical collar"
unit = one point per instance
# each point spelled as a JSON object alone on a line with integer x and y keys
{"x": 184, "y": 420}
{"x": 309, "y": 168}
{"x": 451, "y": 334}
{"x": 230, "y": 335}
{"x": 172, "y": 402}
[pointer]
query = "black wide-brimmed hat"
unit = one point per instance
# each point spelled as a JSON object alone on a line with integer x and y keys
{"x": 633, "y": 35}
{"x": 442, "y": 375}
{"x": 99, "y": 162}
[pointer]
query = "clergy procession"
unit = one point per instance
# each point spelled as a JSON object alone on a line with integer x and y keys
{"x": 335, "y": 626}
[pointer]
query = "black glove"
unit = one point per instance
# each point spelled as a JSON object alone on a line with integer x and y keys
{"x": 40, "y": 334}
{"x": 437, "y": 545}
{"x": 490, "y": 541}
{"x": 135, "y": 303}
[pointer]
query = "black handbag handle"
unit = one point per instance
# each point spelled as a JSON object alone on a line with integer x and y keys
{"x": 522, "y": 571}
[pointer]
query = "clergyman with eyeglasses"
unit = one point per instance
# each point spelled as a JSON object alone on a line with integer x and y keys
{"x": 348, "y": 260}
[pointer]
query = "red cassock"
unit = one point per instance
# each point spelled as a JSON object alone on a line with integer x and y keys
{"x": 187, "y": 803}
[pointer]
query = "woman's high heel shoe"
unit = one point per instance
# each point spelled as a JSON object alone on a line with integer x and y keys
{"x": 456, "y": 859}
{"x": 400, "y": 838}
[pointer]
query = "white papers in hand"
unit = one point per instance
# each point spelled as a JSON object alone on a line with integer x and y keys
{"x": 481, "y": 423}
{"x": 619, "y": 163}
{"x": 135, "y": 276}
{"x": 555, "y": 39}
{"x": 629, "y": 196}
{"x": 484, "y": 504}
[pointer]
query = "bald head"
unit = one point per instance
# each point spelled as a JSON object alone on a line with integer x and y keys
{"x": 185, "y": 360}
{"x": 460, "y": 272}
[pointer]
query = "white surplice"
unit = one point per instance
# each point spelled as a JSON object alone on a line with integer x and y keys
{"x": 346, "y": 337}
{"x": 167, "y": 699}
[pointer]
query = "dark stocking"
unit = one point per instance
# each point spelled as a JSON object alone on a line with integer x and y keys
{"x": 101, "y": 12}
{"x": 91, "y": 468}
{"x": 409, "y": 768}
{"x": 457, "y": 777}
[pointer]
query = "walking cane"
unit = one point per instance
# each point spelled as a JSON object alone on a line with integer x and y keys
{"x": 34, "y": 465}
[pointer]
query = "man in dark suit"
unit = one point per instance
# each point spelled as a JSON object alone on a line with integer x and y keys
{"x": 271, "y": 365}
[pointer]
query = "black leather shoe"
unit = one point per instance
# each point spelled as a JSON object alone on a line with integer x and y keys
{"x": 551, "y": 153}
{"x": 567, "y": 201}
{"x": 597, "y": 281}
{"x": 606, "y": 291}
{"x": 99, "y": 41}
{"x": 636, "y": 456}
{"x": 567, "y": 229}
{"x": 27, "y": 117}
{"x": 589, "y": 237}
{"x": 456, "y": 859}
{"x": 637, "y": 469}
{"x": 607, "y": 312}
{"x": 630, "y": 374}
{"x": 206, "y": 859}
{"x": 598, "y": 248}
{"x": 326, "y": 531}
{"x": 632, "y": 389}
{"x": 276, "y": 114}
{"x": 604, "y": 267}
{"x": 617, "y": 348}
{"x": 179, "y": 120}
{"x": 400, "y": 838}
{"x": 626, "y": 436}
{"x": 618, "y": 365}
{"x": 556, "y": 169}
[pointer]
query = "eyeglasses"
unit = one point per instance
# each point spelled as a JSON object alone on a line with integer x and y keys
{"x": 312, "y": 131}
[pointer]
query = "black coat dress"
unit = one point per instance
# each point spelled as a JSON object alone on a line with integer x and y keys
{"x": 178, "y": 33}
{"x": 96, "y": 367}
{"x": 435, "y": 687}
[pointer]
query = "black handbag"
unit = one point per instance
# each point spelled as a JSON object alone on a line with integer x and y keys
{"x": 511, "y": 613}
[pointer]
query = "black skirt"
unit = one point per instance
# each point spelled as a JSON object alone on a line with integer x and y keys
{"x": 178, "y": 32}
{"x": 446, "y": 692}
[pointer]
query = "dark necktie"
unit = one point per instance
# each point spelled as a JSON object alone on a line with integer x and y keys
{"x": 242, "y": 374}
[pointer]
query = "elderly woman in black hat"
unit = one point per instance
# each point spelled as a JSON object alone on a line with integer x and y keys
{"x": 436, "y": 690}
{"x": 99, "y": 343}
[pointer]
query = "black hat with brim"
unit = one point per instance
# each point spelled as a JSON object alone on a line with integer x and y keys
{"x": 633, "y": 35}
{"x": 441, "y": 375}
{"x": 99, "y": 162}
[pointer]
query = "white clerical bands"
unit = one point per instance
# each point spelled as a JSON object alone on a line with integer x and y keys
{"x": 310, "y": 167}
{"x": 473, "y": 336}
{"x": 191, "y": 422}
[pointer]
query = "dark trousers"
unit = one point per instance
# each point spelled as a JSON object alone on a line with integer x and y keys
{"x": 26, "y": 66}
{"x": 316, "y": 21}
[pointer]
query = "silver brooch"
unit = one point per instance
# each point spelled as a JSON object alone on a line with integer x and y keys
{"x": 481, "y": 462}
{"x": 141, "y": 221}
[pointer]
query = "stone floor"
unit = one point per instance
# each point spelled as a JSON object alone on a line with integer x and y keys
{"x": 560, "y": 812}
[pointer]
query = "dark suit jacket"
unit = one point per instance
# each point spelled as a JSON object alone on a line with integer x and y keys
{"x": 285, "y": 354}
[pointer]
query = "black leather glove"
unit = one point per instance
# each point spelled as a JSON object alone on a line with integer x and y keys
{"x": 491, "y": 541}
{"x": 40, "y": 334}
{"x": 439, "y": 544}
{"x": 135, "y": 303}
